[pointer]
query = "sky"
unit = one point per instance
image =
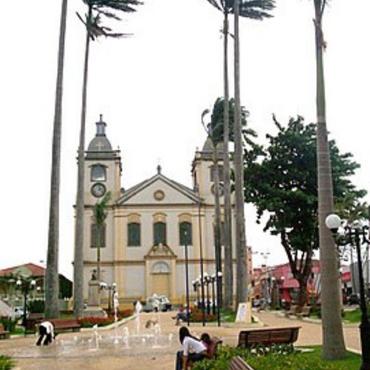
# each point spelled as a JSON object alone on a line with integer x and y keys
{"x": 152, "y": 88}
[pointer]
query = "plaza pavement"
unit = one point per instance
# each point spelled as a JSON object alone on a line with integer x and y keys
{"x": 29, "y": 357}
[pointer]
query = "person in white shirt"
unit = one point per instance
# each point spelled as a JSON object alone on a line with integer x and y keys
{"x": 46, "y": 330}
{"x": 192, "y": 349}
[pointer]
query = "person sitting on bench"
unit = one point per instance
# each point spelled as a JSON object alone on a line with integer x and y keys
{"x": 46, "y": 330}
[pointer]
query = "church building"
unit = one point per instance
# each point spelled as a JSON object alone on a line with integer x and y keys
{"x": 149, "y": 225}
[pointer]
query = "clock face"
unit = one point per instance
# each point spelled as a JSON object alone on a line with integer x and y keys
{"x": 98, "y": 190}
{"x": 220, "y": 189}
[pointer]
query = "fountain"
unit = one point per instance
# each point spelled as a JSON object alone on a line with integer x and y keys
{"x": 138, "y": 309}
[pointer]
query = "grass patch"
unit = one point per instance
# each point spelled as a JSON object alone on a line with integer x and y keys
{"x": 276, "y": 361}
{"x": 6, "y": 363}
{"x": 354, "y": 316}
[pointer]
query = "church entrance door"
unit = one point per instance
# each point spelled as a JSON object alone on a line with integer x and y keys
{"x": 161, "y": 284}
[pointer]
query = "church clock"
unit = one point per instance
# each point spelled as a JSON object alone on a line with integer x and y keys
{"x": 98, "y": 190}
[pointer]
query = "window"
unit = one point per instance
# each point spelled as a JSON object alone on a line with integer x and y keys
{"x": 133, "y": 234}
{"x": 220, "y": 173}
{"x": 185, "y": 233}
{"x": 98, "y": 173}
{"x": 161, "y": 268}
{"x": 159, "y": 233}
{"x": 97, "y": 236}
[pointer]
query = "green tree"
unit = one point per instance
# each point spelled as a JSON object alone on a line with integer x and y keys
{"x": 284, "y": 185}
{"x": 100, "y": 214}
{"x": 97, "y": 10}
{"x": 253, "y": 9}
{"x": 51, "y": 275}
{"x": 333, "y": 339}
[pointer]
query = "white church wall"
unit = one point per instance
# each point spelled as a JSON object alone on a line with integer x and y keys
{"x": 134, "y": 284}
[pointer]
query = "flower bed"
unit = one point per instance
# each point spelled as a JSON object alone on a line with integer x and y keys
{"x": 88, "y": 322}
{"x": 275, "y": 361}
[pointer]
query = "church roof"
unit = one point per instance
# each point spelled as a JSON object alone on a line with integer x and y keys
{"x": 129, "y": 193}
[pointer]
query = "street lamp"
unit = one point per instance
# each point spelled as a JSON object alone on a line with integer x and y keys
{"x": 196, "y": 290}
{"x": 351, "y": 236}
{"x": 206, "y": 281}
{"x": 219, "y": 296}
{"x": 111, "y": 290}
{"x": 25, "y": 285}
{"x": 213, "y": 280}
{"x": 187, "y": 277}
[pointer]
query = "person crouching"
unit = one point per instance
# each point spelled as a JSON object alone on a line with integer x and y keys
{"x": 46, "y": 333}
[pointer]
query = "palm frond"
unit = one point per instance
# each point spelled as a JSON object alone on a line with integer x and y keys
{"x": 216, "y": 4}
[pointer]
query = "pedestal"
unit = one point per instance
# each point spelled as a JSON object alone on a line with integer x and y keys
{"x": 93, "y": 308}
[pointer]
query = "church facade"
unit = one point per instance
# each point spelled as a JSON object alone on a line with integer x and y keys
{"x": 149, "y": 225}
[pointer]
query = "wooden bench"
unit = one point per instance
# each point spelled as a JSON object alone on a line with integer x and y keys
{"x": 61, "y": 325}
{"x": 237, "y": 363}
{"x": 3, "y": 333}
{"x": 32, "y": 321}
{"x": 268, "y": 336}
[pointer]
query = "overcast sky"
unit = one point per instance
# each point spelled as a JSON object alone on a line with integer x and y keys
{"x": 151, "y": 89}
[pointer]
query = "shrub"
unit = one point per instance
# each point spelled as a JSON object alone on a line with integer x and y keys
{"x": 36, "y": 306}
{"x": 6, "y": 363}
{"x": 274, "y": 360}
{"x": 196, "y": 315}
{"x": 8, "y": 323}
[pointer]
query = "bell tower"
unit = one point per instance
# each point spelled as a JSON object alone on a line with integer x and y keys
{"x": 102, "y": 167}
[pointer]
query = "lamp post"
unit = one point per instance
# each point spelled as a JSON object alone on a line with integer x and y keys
{"x": 187, "y": 277}
{"x": 25, "y": 285}
{"x": 351, "y": 236}
{"x": 219, "y": 296}
{"x": 207, "y": 280}
{"x": 213, "y": 280}
{"x": 111, "y": 290}
{"x": 195, "y": 287}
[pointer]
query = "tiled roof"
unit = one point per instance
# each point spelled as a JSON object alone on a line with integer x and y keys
{"x": 35, "y": 270}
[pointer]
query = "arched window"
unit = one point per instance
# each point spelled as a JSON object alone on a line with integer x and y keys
{"x": 98, "y": 173}
{"x": 159, "y": 232}
{"x": 185, "y": 233}
{"x": 161, "y": 268}
{"x": 133, "y": 234}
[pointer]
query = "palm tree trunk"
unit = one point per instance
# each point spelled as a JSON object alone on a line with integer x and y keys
{"x": 240, "y": 241}
{"x": 228, "y": 265}
{"x": 80, "y": 202}
{"x": 52, "y": 276}
{"x": 217, "y": 227}
{"x": 333, "y": 341}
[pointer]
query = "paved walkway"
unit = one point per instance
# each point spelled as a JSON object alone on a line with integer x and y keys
{"x": 141, "y": 356}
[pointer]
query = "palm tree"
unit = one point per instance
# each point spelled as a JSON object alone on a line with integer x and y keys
{"x": 211, "y": 129}
{"x": 100, "y": 214}
{"x": 333, "y": 340}
{"x": 253, "y": 9}
{"x": 96, "y": 10}
{"x": 52, "y": 276}
{"x": 226, "y": 8}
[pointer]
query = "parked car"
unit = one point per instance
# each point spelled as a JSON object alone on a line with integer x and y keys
{"x": 157, "y": 303}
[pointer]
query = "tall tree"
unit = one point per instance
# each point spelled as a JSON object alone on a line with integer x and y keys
{"x": 226, "y": 6}
{"x": 284, "y": 185}
{"x": 100, "y": 215}
{"x": 96, "y": 11}
{"x": 333, "y": 339}
{"x": 52, "y": 276}
{"x": 211, "y": 128}
{"x": 253, "y": 9}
